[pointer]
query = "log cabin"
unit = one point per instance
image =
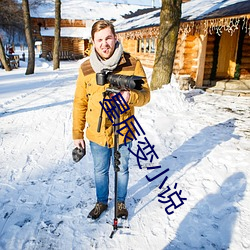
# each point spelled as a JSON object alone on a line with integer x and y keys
{"x": 213, "y": 41}
{"x": 77, "y": 19}
{"x": 74, "y": 37}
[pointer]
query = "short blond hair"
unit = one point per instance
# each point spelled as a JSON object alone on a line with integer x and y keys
{"x": 100, "y": 25}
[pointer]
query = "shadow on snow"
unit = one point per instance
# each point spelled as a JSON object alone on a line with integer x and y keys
{"x": 209, "y": 225}
{"x": 211, "y": 221}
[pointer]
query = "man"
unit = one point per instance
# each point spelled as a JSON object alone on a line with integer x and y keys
{"x": 107, "y": 54}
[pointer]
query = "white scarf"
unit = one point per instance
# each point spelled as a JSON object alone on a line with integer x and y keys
{"x": 98, "y": 64}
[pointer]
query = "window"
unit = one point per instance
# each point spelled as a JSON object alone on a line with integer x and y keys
{"x": 146, "y": 45}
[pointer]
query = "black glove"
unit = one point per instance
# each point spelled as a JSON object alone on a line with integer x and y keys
{"x": 78, "y": 153}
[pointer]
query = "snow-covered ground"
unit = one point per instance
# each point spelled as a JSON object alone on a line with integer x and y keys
{"x": 45, "y": 197}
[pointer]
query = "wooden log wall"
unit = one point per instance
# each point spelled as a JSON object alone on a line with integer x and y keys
{"x": 209, "y": 57}
{"x": 185, "y": 59}
{"x": 50, "y": 22}
{"x": 146, "y": 59}
{"x": 186, "y": 55}
{"x": 245, "y": 60}
{"x": 66, "y": 44}
{"x": 190, "y": 56}
{"x": 210, "y": 72}
{"x": 79, "y": 46}
{"x": 178, "y": 61}
{"x": 73, "y": 45}
{"x": 131, "y": 46}
{"x": 47, "y": 45}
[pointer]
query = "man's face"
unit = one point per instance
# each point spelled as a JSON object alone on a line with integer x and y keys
{"x": 104, "y": 42}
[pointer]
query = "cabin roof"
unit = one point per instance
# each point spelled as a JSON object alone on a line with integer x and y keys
{"x": 140, "y": 21}
{"x": 85, "y": 10}
{"x": 208, "y": 9}
{"x": 193, "y": 10}
{"x": 77, "y": 32}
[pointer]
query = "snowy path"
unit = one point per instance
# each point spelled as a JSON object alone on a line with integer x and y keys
{"x": 44, "y": 197}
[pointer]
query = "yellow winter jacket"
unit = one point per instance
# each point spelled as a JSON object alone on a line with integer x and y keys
{"x": 88, "y": 95}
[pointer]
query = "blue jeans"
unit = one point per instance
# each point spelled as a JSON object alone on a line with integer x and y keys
{"x": 102, "y": 158}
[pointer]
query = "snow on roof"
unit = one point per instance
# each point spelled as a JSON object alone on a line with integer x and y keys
{"x": 198, "y": 9}
{"x": 145, "y": 20}
{"x": 79, "y": 32}
{"x": 192, "y": 10}
{"x": 85, "y": 10}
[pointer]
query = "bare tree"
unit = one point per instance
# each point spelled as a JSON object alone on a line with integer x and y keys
{"x": 3, "y": 57}
{"x": 56, "y": 59}
{"x": 11, "y": 17}
{"x": 168, "y": 34}
{"x": 36, "y": 3}
{"x": 28, "y": 33}
{"x": 11, "y": 24}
